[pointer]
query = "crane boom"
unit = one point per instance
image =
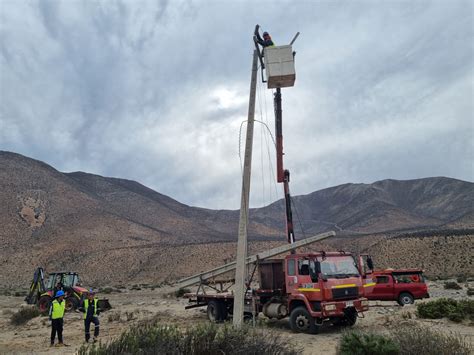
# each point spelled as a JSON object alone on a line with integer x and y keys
{"x": 282, "y": 174}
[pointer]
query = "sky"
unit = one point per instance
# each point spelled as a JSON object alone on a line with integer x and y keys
{"x": 158, "y": 92}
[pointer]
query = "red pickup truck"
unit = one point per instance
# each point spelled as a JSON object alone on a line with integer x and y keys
{"x": 402, "y": 285}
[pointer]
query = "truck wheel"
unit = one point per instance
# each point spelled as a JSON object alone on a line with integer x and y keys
{"x": 71, "y": 303}
{"x": 302, "y": 322}
{"x": 216, "y": 311}
{"x": 405, "y": 298}
{"x": 350, "y": 316}
{"x": 43, "y": 304}
{"x": 248, "y": 317}
{"x": 224, "y": 312}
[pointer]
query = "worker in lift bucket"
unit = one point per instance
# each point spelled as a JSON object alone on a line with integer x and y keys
{"x": 91, "y": 315}
{"x": 267, "y": 39}
{"x": 56, "y": 314}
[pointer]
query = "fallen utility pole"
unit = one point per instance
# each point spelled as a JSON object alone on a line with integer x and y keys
{"x": 202, "y": 277}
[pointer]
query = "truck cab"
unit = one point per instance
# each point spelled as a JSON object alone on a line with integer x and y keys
{"x": 327, "y": 285}
{"x": 402, "y": 285}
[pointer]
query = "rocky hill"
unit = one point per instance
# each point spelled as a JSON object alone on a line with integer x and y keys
{"x": 387, "y": 205}
{"x": 123, "y": 229}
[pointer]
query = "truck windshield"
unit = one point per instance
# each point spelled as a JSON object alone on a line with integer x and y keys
{"x": 338, "y": 266}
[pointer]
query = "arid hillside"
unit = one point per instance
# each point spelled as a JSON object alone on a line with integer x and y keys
{"x": 387, "y": 205}
{"x": 125, "y": 231}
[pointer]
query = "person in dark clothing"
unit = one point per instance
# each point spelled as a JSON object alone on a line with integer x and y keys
{"x": 56, "y": 314}
{"x": 91, "y": 315}
{"x": 267, "y": 39}
{"x": 59, "y": 287}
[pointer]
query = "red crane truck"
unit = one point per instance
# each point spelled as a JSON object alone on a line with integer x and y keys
{"x": 310, "y": 289}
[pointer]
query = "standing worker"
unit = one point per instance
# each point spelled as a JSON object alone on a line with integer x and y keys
{"x": 56, "y": 314}
{"x": 267, "y": 39}
{"x": 91, "y": 315}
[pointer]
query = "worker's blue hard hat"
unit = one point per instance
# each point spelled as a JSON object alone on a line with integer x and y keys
{"x": 60, "y": 293}
{"x": 265, "y": 34}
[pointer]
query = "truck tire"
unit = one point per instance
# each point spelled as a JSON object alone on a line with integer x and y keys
{"x": 248, "y": 317}
{"x": 71, "y": 303}
{"x": 224, "y": 312}
{"x": 302, "y": 322}
{"x": 43, "y": 304}
{"x": 216, "y": 311}
{"x": 405, "y": 298}
{"x": 350, "y": 316}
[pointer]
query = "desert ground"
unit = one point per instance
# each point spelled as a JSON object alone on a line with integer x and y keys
{"x": 133, "y": 306}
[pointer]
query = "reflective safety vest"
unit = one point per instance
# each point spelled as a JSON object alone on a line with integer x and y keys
{"x": 57, "y": 309}
{"x": 86, "y": 306}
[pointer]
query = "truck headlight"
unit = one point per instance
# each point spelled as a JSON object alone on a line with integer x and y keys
{"x": 330, "y": 307}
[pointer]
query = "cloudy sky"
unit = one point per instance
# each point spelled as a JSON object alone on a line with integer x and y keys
{"x": 156, "y": 91}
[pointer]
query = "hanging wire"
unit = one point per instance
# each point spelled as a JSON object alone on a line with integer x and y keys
{"x": 298, "y": 217}
{"x": 271, "y": 175}
{"x": 240, "y": 147}
{"x": 240, "y": 138}
{"x": 272, "y": 172}
{"x": 270, "y": 165}
{"x": 261, "y": 92}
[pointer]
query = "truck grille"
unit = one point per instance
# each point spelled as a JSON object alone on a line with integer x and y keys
{"x": 346, "y": 292}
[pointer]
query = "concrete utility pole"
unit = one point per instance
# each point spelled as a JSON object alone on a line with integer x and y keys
{"x": 241, "y": 267}
{"x": 204, "y": 276}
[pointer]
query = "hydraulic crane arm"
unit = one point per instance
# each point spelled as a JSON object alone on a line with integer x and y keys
{"x": 282, "y": 174}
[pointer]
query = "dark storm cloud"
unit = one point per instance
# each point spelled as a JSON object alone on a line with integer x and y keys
{"x": 156, "y": 91}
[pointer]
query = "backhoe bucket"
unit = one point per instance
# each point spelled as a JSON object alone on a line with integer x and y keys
{"x": 104, "y": 304}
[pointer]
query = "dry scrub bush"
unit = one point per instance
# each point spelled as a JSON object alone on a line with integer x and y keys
{"x": 407, "y": 315}
{"x": 129, "y": 316}
{"x": 414, "y": 339}
{"x": 452, "y": 285}
{"x": 454, "y": 310}
{"x": 208, "y": 339}
{"x": 407, "y": 338}
{"x": 107, "y": 290}
{"x": 114, "y": 317}
{"x": 181, "y": 292}
{"x": 24, "y": 315}
{"x": 360, "y": 343}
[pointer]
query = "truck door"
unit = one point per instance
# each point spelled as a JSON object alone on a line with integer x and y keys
{"x": 291, "y": 275}
{"x": 383, "y": 289}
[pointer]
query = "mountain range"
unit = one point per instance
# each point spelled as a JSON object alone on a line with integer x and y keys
{"x": 64, "y": 220}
